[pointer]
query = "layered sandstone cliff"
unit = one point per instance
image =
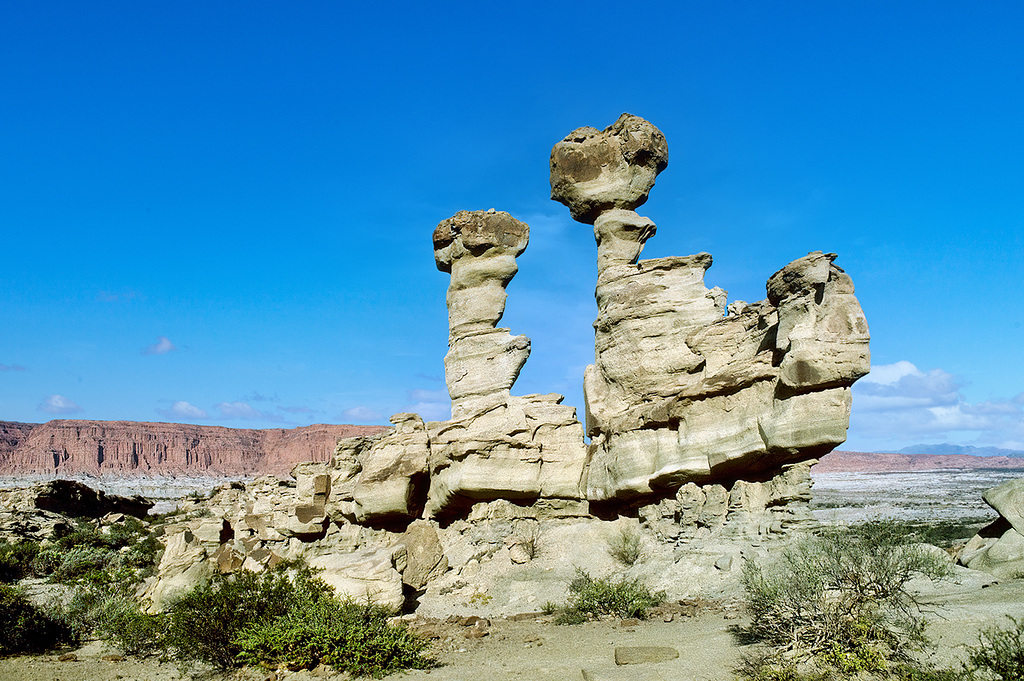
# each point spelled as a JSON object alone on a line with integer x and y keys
{"x": 70, "y": 447}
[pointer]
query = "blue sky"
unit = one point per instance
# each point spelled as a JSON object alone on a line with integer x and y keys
{"x": 221, "y": 212}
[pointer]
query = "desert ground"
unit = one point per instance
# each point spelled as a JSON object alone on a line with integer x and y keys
{"x": 535, "y": 649}
{"x": 703, "y": 632}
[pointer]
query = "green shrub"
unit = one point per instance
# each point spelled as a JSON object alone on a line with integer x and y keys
{"x": 321, "y": 628}
{"x": 842, "y": 599}
{"x": 271, "y": 620}
{"x": 25, "y": 628}
{"x": 591, "y": 599}
{"x": 1000, "y": 651}
{"x": 110, "y": 611}
{"x": 204, "y": 623}
{"x": 625, "y": 546}
{"x": 16, "y": 560}
{"x": 81, "y": 562}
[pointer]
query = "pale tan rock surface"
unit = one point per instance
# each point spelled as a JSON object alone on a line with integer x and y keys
{"x": 999, "y": 548}
{"x": 686, "y": 388}
{"x": 704, "y": 419}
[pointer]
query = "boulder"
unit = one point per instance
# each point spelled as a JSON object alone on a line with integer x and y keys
{"x": 76, "y": 499}
{"x": 593, "y": 170}
{"x": 999, "y": 548}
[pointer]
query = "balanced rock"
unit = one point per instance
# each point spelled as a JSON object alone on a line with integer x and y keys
{"x": 479, "y": 250}
{"x": 596, "y": 170}
{"x": 684, "y": 387}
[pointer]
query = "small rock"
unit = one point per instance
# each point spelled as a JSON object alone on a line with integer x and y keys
{"x": 644, "y": 654}
{"x": 68, "y": 657}
{"x": 113, "y": 658}
{"x": 668, "y": 617}
{"x": 724, "y": 563}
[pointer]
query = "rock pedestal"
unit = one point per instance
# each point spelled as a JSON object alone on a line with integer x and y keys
{"x": 685, "y": 388}
{"x": 704, "y": 419}
{"x": 496, "y": 446}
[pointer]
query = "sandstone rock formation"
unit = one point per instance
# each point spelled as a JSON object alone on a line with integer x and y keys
{"x": 704, "y": 419}
{"x": 496, "y": 445}
{"x": 999, "y": 547}
{"x": 684, "y": 388}
{"x": 70, "y": 447}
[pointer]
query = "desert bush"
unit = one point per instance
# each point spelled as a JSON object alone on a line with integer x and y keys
{"x": 271, "y": 619}
{"x": 842, "y": 598}
{"x": 110, "y": 611}
{"x": 204, "y": 623}
{"x": 16, "y": 560}
{"x": 1000, "y": 652}
{"x": 355, "y": 638}
{"x": 81, "y": 562}
{"x": 24, "y": 627}
{"x": 944, "y": 532}
{"x": 591, "y": 598}
{"x": 625, "y": 546}
{"x": 527, "y": 538}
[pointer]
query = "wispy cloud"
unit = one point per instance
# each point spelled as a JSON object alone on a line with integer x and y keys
{"x": 259, "y": 397}
{"x": 12, "y": 367}
{"x": 162, "y": 346}
{"x": 58, "y": 404}
{"x": 297, "y": 410}
{"x": 898, "y": 404}
{"x": 361, "y": 413}
{"x": 431, "y": 405}
{"x": 244, "y": 411}
{"x": 184, "y": 410}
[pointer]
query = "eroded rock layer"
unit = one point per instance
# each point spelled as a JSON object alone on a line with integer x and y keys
{"x": 685, "y": 388}
{"x": 704, "y": 417}
{"x": 70, "y": 447}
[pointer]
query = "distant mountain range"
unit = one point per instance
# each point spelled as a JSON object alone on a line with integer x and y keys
{"x": 947, "y": 450}
{"x": 128, "y": 448}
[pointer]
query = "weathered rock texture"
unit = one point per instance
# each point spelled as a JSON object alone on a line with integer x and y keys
{"x": 704, "y": 419}
{"x": 69, "y": 447}
{"x": 683, "y": 388}
{"x": 999, "y": 547}
{"x": 496, "y": 445}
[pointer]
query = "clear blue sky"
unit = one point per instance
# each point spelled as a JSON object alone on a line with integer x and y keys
{"x": 221, "y": 212}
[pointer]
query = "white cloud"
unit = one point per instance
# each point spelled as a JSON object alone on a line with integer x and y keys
{"x": 58, "y": 404}
{"x": 887, "y": 374}
{"x": 361, "y": 413}
{"x": 162, "y": 346}
{"x": 184, "y": 410}
{"x": 898, "y": 405}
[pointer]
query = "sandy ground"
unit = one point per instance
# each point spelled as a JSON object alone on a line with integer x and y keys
{"x": 534, "y": 649}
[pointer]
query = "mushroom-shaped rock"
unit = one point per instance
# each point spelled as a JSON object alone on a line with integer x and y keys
{"x": 479, "y": 249}
{"x": 596, "y": 170}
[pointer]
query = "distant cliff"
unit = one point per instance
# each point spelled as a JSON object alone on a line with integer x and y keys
{"x": 69, "y": 447}
{"x": 873, "y": 462}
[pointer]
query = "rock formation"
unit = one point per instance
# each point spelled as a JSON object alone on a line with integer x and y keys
{"x": 70, "y": 447}
{"x": 704, "y": 419}
{"x": 496, "y": 445}
{"x": 684, "y": 389}
{"x": 999, "y": 547}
